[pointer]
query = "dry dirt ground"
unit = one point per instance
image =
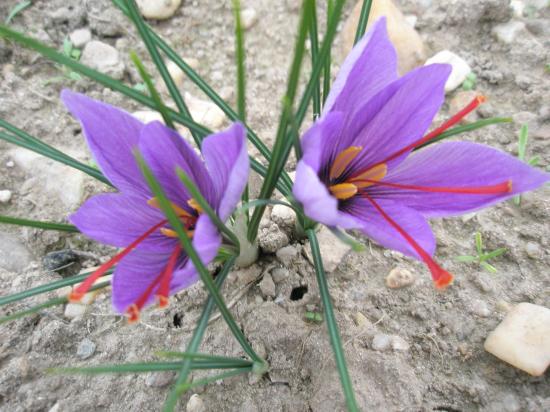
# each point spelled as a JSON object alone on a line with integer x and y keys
{"x": 438, "y": 363}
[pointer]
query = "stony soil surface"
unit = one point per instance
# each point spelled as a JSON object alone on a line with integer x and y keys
{"x": 409, "y": 349}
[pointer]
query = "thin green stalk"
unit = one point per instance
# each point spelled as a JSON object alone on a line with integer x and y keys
{"x": 326, "y": 68}
{"x": 160, "y": 107}
{"x": 466, "y": 128}
{"x": 277, "y": 155}
{"x": 196, "y": 339}
{"x": 62, "y": 227}
{"x": 150, "y": 44}
{"x": 45, "y": 305}
{"x": 204, "y": 356}
{"x": 205, "y": 206}
{"x": 25, "y": 140}
{"x": 363, "y": 20}
{"x": 48, "y": 287}
{"x": 210, "y": 379}
{"x": 144, "y": 367}
{"x": 314, "y": 42}
{"x": 332, "y": 326}
{"x": 176, "y": 224}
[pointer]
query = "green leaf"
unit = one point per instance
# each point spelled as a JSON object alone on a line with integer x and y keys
{"x": 534, "y": 161}
{"x": 67, "y": 47}
{"x": 479, "y": 244}
{"x": 522, "y": 143}
{"x": 488, "y": 267}
{"x": 495, "y": 253}
{"x": 38, "y": 224}
{"x": 348, "y": 240}
{"x": 332, "y": 326}
{"x": 18, "y": 8}
{"x": 203, "y": 356}
{"x": 363, "y": 20}
{"x": 466, "y": 258}
{"x": 314, "y": 42}
{"x": 240, "y": 61}
{"x": 205, "y": 381}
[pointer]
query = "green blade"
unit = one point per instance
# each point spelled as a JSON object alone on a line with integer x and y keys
{"x": 363, "y": 20}
{"x": 18, "y": 8}
{"x": 522, "y": 143}
{"x": 495, "y": 253}
{"x": 38, "y": 224}
{"x": 466, "y": 258}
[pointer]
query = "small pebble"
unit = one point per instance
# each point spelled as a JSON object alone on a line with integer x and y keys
{"x": 381, "y": 342}
{"x": 103, "y": 57}
{"x": 399, "y": 344}
{"x": 361, "y": 320}
{"x": 59, "y": 259}
{"x": 460, "y": 68}
{"x": 205, "y": 112}
{"x": 480, "y": 308}
{"x": 399, "y": 278}
{"x": 523, "y": 338}
{"x": 506, "y": 33}
{"x": 5, "y": 196}
{"x": 533, "y": 250}
{"x": 249, "y": 17}
{"x": 279, "y": 274}
{"x": 287, "y": 254}
{"x": 195, "y": 404}
{"x": 283, "y": 216}
{"x": 267, "y": 286}
{"x": 80, "y": 37}
{"x": 10, "y": 164}
{"x": 159, "y": 379}
{"x": 86, "y": 348}
{"x": 158, "y": 9}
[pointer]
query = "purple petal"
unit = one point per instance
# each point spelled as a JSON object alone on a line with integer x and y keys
{"x": 164, "y": 150}
{"x": 227, "y": 161}
{"x": 318, "y": 203}
{"x": 111, "y": 134}
{"x": 119, "y": 219}
{"x": 207, "y": 242}
{"x": 458, "y": 164}
{"x": 402, "y": 119}
{"x": 376, "y": 227}
{"x": 371, "y": 65}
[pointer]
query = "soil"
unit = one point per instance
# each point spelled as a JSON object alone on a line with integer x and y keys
{"x": 439, "y": 363}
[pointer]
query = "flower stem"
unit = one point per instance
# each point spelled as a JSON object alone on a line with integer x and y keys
{"x": 363, "y": 20}
{"x": 331, "y": 323}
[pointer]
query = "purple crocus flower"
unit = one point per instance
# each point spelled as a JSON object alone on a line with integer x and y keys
{"x": 358, "y": 170}
{"x": 152, "y": 263}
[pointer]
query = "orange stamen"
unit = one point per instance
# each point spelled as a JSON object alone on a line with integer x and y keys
{"x": 195, "y": 205}
{"x": 343, "y": 191}
{"x": 441, "y": 277}
{"x": 342, "y": 161}
{"x": 178, "y": 210}
{"x": 78, "y": 293}
{"x": 504, "y": 187}
{"x": 164, "y": 287}
{"x": 369, "y": 176}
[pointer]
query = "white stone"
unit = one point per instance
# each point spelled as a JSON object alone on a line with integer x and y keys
{"x": 267, "y": 286}
{"x": 195, "y": 404}
{"x": 192, "y": 62}
{"x": 177, "y": 74}
{"x": 5, "y": 196}
{"x": 399, "y": 344}
{"x": 86, "y": 348}
{"x": 158, "y": 9}
{"x": 14, "y": 256}
{"x": 460, "y": 69}
{"x": 104, "y": 58}
{"x": 411, "y": 19}
{"x": 287, "y": 254}
{"x": 49, "y": 174}
{"x": 75, "y": 310}
{"x": 10, "y": 164}
{"x": 205, "y": 112}
{"x": 480, "y": 308}
{"x": 333, "y": 249}
{"x": 399, "y": 278}
{"x": 523, "y": 338}
{"x": 148, "y": 116}
{"x": 249, "y": 17}
{"x": 507, "y": 32}
{"x": 283, "y": 216}
{"x": 517, "y": 7}
{"x": 381, "y": 342}
{"x": 80, "y": 37}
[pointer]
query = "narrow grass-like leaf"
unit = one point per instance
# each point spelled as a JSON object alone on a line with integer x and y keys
{"x": 62, "y": 227}
{"x": 205, "y": 381}
{"x": 332, "y": 326}
{"x": 150, "y": 44}
{"x": 25, "y": 140}
{"x": 240, "y": 60}
{"x": 363, "y": 20}
{"x": 278, "y": 155}
{"x": 176, "y": 224}
{"x": 488, "y": 267}
{"x": 478, "y": 243}
{"x": 143, "y": 367}
{"x": 205, "y": 206}
{"x": 161, "y": 108}
{"x": 466, "y": 258}
{"x": 314, "y": 43}
{"x": 262, "y": 202}
{"x": 18, "y": 8}
{"x": 495, "y": 253}
{"x": 194, "y": 343}
{"x": 466, "y": 128}
{"x": 48, "y": 287}
{"x": 326, "y": 68}
{"x": 45, "y": 305}
{"x": 348, "y": 240}
{"x": 203, "y": 356}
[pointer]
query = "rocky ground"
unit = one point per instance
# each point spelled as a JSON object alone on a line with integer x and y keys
{"x": 409, "y": 348}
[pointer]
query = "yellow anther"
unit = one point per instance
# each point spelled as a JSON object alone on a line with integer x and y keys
{"x": 172, "y": 233}
{"x": 195, "y": 205}
{"x": 370, "y": 176}
{"x": 343, "y": 191}
{"x": 179, "y": 211}
{"x": 344, "y": 158}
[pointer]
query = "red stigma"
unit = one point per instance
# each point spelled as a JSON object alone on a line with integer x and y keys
{"x": 504, "y": 187}
{"x": 441, "y": 277}
{"x": 166, "y": 278}
{"x": 78, "y": 293}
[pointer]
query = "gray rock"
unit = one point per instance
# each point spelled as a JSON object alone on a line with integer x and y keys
{"x": 59, "y": 259}
{"x": 506, "y": 33}
{"x": 267, "y": 286}
{"x": 280, "y": 274}
{"x": 287, "y": 254}
{"x": 480, "y": 308}
{"x": 284, "y": 217}
{"x": 86, "y": 348}
{"x": 80, "y": 37}
{"x": 5, "y": 196}
{"x": 272, "y": 239}
{"x": 333, "y": 249}
{"x": 399, "y": 277}
{"x": 159, "y": 379}
{"x": 381, "y": 342}
{"x": 14, "y": 256}
{"x": 533, "y": 250}
{"x": 399, "y": 344}
{"x": 195, "y": 404}
{"x": 104, "y": 58}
